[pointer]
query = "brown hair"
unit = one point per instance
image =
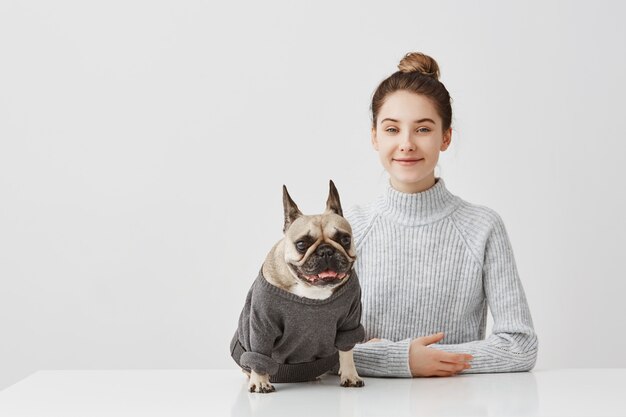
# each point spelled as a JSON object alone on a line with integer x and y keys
{"x": 418, "y": 73}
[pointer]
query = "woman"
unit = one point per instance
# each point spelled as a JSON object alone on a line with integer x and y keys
{"x": 429, "y": 262}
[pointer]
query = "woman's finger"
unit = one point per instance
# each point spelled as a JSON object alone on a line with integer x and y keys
{"x": 443, "y": 373}
{"x": 451, "y": 367}
{"x": 456, "y": 367}
{"x": 430, "y": 339}
{"x": 454, "y": 357}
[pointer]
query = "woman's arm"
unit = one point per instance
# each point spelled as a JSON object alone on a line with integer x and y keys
{"x": 513, "y": 344}
{"x": 383, "y": 358}
{"x": 408, "y": 358}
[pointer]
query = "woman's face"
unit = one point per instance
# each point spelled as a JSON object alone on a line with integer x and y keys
{"x": 408, "y": 137}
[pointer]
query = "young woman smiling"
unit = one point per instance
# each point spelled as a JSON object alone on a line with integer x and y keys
{"x": 431, "y": 264}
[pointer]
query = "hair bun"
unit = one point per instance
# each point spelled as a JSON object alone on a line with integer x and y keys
{"x": 419, "y": 62}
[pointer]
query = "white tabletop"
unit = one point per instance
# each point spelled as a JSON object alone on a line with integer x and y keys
{"x": 563, "y": 392}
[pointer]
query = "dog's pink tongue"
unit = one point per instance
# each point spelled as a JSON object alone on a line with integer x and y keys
{"x": 327, "y": 273}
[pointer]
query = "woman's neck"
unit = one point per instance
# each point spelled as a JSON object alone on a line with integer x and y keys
{"x": 413, "y": 187}
{"x": 417, "y": 208}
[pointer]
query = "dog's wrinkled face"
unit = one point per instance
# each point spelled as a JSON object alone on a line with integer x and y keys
{"x": 318, "y": 249}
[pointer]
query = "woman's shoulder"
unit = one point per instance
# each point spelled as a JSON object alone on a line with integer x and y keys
{"x": 361, "y": 217}
{"x": 473, "y": 212}
{"x": 359, "y": 213}
{"x": 477, "y": 221}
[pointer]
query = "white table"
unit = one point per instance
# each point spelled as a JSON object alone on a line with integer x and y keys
{"x": 211, "y": 393}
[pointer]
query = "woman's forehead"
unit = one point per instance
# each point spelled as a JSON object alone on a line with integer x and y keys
{"x": 407, "y": 107}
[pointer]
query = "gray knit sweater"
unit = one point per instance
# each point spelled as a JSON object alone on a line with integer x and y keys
{"x": 431, "y": 262}
{"x": 294, "y": 338}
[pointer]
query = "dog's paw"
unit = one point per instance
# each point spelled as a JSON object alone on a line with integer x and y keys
{"x": 261, "y": 388}
{"x": 260, "y": 383}
{"x": 352, "y": 381}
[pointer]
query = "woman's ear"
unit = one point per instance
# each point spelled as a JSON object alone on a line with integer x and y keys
{"x": 447, "y": 138}
{"x": 374, "y": 139}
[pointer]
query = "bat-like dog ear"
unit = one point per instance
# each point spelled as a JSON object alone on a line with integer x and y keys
{"x": 333, "y": 204}
{"x": 292, "y": 212}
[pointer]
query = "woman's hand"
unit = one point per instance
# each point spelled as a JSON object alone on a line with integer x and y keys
{"x": 426, "y": 361}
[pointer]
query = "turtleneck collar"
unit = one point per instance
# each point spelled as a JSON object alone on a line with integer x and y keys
{"x": 413, "y": 209}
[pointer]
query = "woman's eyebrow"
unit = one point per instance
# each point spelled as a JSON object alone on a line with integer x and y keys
{"x": 416, "y": 121}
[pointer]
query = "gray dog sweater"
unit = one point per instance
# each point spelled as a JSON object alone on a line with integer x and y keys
{"x": 293, "y": 338}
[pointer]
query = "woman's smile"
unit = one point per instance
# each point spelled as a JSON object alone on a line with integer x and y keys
{"x": 407, "y": 161}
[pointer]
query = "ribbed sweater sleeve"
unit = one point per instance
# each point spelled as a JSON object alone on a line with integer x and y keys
{"x": 383, "y": 359}
{"x": 513, "y": 344}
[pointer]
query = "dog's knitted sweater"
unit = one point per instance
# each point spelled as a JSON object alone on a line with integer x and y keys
{"x": 431, "y": 262}
{"x": 295, "y": 338}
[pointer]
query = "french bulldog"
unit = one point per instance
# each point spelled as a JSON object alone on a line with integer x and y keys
{"x": 303, "y": 312}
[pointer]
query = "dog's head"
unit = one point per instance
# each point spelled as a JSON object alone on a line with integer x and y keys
{"x": 318, "y": 248}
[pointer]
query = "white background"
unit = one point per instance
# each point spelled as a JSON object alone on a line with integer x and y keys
{"x": 144, "y": 144}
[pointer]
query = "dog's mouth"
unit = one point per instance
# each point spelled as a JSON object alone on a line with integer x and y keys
{"x": 322, "y": 278}
{"x": 327, "y": 276}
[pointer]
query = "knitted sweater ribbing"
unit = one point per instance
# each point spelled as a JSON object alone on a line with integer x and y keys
{"x": 293, "y": 338}
{"x": 430, "y": 262}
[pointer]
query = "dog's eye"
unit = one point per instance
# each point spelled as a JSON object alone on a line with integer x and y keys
{"x": 301, "y": 246}
{"x": 345, "y": 241}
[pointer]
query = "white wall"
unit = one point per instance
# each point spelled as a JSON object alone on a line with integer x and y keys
{"x": 144, "y": 144}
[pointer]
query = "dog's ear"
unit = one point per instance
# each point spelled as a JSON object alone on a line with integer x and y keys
{"x": 333, "y": 204}
{"x": 291, "y": 210}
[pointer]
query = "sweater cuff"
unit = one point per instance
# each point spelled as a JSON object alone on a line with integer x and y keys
{"x": 383, "y": 359}
{"x": 345, "y": 340}
{"x": 489, "y": 358}
{"x": 259, "y": 363}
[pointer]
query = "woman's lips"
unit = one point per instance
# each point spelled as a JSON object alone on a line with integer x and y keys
{"x": 407, "y": 161}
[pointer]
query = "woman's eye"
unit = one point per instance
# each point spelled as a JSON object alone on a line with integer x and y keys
{"x": 301, "y": 246}
{"x": 420, "y": 130}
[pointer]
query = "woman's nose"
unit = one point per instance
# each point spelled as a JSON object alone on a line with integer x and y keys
{"x": 406, "y": 144}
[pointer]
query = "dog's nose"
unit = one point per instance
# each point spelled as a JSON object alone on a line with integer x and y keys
{"x": 325, "y": 250}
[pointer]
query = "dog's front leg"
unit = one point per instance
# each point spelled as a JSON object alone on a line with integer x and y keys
{"x": 347, "y": 370}
{"x": 260, "y": 383}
